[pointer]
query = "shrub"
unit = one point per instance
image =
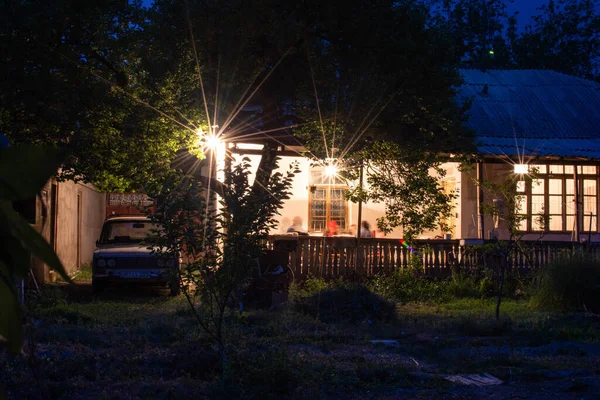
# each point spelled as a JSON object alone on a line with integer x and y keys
{"x": 407, "y": 285}
{"x": 307, "y": 288}
{"x": 568, "y": 285}
{"x": 463, "y": 286}
{"x": 341, "y": 301}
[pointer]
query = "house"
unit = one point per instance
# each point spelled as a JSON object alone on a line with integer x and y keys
{"x": 524, "y": 120}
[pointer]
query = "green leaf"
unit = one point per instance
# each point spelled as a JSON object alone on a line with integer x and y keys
{"x": 31, "y": 240}
{"x": 25, "y": 169}
{"x": 11, "y": 332}
{"x": 14, "y": 255}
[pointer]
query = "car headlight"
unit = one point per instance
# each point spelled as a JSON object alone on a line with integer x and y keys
{"x": 101, "y": 263}
{"x": 112, "y": 263}
{"x": 160, "y": 263}
{"x": 171, "y": 263}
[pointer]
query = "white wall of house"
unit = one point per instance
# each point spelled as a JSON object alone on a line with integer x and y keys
{"x": 465, "y": 221}
{"x": 298, "y": 204}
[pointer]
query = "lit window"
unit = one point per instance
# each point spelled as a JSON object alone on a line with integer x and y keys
{"x": 327, "y": 201}
{"x": 557, "y": 169}
{"x": 538, "y": 169}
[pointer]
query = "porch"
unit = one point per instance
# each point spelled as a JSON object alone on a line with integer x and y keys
{"x": 329, "y": 257}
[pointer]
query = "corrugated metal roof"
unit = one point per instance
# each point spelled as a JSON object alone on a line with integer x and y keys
{"x": 533, "y": 112}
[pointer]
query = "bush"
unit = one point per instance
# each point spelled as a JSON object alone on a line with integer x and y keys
{"x": 568, "y": 285}
{"x": 340, "y": 301}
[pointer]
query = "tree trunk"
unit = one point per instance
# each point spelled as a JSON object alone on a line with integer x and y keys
{"x": 502, "y": 273}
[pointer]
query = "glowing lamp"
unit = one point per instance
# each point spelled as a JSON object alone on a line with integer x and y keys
{"x": 331, "y": 170}
{"x": 212, "y": 141}
{"x": 521, "y": 169}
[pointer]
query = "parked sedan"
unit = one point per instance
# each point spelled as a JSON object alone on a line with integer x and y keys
{"x": 121, "y": 256}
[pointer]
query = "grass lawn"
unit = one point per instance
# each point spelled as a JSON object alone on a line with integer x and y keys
{"x": 148, "y": 346}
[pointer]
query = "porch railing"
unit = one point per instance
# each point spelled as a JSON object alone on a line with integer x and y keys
{"x": 340, "y": 256}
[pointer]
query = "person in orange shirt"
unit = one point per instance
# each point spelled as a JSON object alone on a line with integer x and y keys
{"x": 332, "y": 228}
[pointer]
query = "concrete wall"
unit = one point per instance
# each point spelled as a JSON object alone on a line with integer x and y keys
{"x": 92, "y": 212}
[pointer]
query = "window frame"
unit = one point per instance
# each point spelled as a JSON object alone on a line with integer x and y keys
{"x": 545, "y": 177}
{"x": 328, "y": 190}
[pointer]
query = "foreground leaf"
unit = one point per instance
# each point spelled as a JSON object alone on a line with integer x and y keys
{"x": 11, "y": 331}
{"x": 31, "y": 240}
{"x": 25, "y": 169}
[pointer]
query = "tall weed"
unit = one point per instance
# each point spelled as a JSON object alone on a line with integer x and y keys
{"x": 568, "y": 285}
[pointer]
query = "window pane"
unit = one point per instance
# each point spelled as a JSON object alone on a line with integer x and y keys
{"x": 317, "y": 208}
{"x": 338, "y": 194}
{"x": 589, "y": 204}
{"x": 522, "y": 224}
{"x": 555, "y": 206}
{"x": 556, "y": 223}
{"x": 589, "y": 187}
{"x": 318, "y": 225}
{"x": 570, "y": 223}
{"x": 557, "y": 169}
{"x": 570, "y": 204}
{"x": 540, "y": 169}
{"x": 537, "y": 205}
{"x": 537, "y": 186}
{"x": 520, "y": 186}
{"x": 589, "y": 169}
{"x": 337, "y": 209}
{"x": 520, "y": 204}
{"x": 570, "y": 189}
{"x": 319, "y": 194}
{"x": 555, "y": 186}
{"x": 537, "y": 222}
{"x": 569, "y": 169}
{"x": 586, "y": 223}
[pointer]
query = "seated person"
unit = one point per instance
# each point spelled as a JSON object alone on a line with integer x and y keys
{"x": 365, "y": 230}
{"x": 297, "y": 227}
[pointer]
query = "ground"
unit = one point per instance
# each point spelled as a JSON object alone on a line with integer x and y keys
{"x": 145, "y": 345}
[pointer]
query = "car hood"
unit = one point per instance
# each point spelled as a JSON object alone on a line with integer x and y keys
{"x": 123, "y": 250}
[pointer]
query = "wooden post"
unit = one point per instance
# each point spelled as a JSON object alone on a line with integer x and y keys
{"x": 359, "y": 254}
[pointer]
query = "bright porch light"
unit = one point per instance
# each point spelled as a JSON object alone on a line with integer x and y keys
{"x": 521, "y": 169}
{"x": 331, "y": 170}
{"x": 212, "y": 141}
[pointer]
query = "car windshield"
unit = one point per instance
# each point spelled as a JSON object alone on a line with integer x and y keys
{"x": 126, "y": 231}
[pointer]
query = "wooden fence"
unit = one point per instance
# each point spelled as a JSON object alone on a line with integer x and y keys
{"x": 339, "y": 256}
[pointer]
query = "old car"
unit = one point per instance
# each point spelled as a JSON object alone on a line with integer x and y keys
{"x": 124, "y": 256}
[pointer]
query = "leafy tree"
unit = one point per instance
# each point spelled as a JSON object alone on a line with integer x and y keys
{"x": 564, "y": 36}
{"x": 481, "y": 30}
{"x": 221, "y": 246}
{"x": 78, "y": 77}
{"x": 383, "y": 96}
